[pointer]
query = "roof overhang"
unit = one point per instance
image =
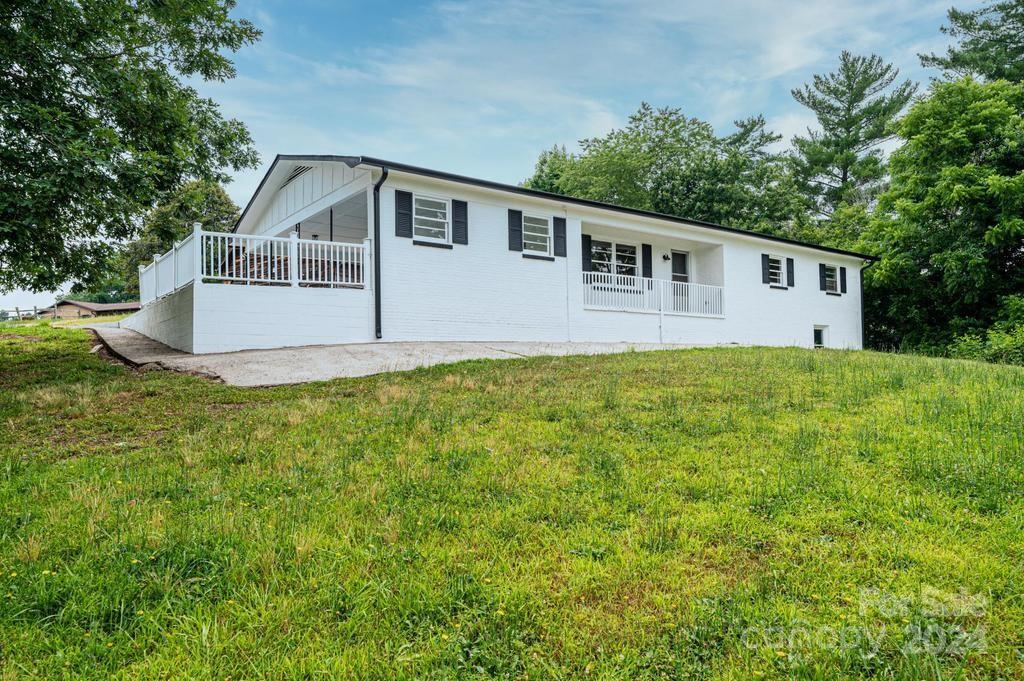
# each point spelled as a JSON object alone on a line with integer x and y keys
{"x": 283, "y": 164}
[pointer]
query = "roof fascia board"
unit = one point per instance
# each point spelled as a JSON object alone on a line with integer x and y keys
{"x": 354, "y": 161}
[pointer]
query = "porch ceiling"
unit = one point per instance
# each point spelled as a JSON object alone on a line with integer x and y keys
{"x": 350, "y": 221}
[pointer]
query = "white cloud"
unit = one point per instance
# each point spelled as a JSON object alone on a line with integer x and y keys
{"x": 481, "y": 86}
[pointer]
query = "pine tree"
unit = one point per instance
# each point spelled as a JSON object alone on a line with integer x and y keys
{"x": 842, "y": 163}
{"x": 991, "y": 43}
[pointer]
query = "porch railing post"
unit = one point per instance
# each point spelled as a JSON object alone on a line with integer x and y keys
{"x": 367, "y": 264}
{"x": 156, "y": 276}
{"x": 293, "y": 258}
{"x": 197, "y": 249}
{"x": 661, "y": 311}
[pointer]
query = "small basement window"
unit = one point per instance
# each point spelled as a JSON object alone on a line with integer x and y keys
{"x": 536, "y": 235}
{"x": 819, "y": 336}
{"x": 831, "y": 279}
{"x": 776, "y": 277}
{"x": 430, "y": 219}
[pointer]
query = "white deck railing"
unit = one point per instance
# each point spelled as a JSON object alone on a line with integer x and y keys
{"x": 605, "y": 291}
{"x": 219, "y": 257}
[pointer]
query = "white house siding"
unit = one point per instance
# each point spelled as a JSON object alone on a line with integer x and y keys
{"x": 168, "y": 319}
{"x": 203, "y": 318}
{"x": 485, "y": 292}
{"x": 229, "y": 318}
{"x": 478, "y": 292}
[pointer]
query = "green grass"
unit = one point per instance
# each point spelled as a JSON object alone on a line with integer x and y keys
{"x": 724, "y": 513}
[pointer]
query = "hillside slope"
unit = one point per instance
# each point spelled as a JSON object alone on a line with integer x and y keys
{"x": 731, "y": 513}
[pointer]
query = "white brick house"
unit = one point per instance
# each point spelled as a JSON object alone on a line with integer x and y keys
{"x": 340, "y": 249}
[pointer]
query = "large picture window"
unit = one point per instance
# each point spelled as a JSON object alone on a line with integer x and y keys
{"x": 536, "y": 235}
{"x": 613, "y": 258}
{"x": 431, "y": 219}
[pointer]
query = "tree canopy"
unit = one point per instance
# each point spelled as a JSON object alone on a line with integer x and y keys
{"x": 96, "y": 124}
{"x": 951, "y": 226}
{"x": 990, "y": 42}
{"x": 666, "y": 162}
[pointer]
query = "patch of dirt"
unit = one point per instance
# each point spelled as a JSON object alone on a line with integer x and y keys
{"x": 21, "y": 336}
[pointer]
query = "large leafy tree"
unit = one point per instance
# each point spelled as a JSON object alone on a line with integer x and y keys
{"x": 96, "y": 124}
{"x": 841, "y": 163}
{"x": 950, "y": 228}
{"x": 990, "y": 42}
{"x": 665, "y": 162}
{"x": 197, "y": 202}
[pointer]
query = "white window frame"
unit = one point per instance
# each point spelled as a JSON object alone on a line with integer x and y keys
{"x": 782, "y": 271}
{"x": 614, "y": 264}
{"x": 689, "y": 266}
{"x": 550, "y": 235}
{"x": 824, "y": 336}
{"x": 834, "y": 281}
{"x": 447, "y": 221}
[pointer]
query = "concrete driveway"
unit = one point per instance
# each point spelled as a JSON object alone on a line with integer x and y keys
{"x": 324, "y": 362}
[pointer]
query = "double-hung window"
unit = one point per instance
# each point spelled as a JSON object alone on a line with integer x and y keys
{"x": 776, "y": 275}
{"x": 613, "y": 258}
{"x": 831, "y": 279}
{"x": 431, "y": 219}
{"x": 536, "y": 235}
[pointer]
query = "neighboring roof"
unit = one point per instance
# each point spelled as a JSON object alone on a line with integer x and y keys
{"x": 353, "y": 161}
{"x": 101, "y": 307}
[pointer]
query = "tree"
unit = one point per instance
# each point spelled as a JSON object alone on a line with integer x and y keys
{"x": 991, "y": 43}
{"x": 950, "y": 228}
{"x": 665, "y": 162}
{"x": 96, "y": 124}
{"x": 547, "y": 173}
{"x": 199, "y": 201}
{"x": 111, "y": 287}
{"x": 854, "y": 106}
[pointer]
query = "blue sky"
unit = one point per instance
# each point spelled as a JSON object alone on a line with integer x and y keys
{"x": 481, "y": 87}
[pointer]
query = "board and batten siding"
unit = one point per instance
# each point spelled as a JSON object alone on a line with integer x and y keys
{"x": 309, "y": 189}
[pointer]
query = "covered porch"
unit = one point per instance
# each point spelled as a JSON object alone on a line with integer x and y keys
{"x": 329, "y": 249}
{"x": 624, "y": 270}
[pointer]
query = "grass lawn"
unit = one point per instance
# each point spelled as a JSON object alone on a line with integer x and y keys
{"x": 723, "y": 513}
{"x": 72, "y": 323}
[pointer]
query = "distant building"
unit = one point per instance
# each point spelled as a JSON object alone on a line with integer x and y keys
{"x": 75, "y": 309}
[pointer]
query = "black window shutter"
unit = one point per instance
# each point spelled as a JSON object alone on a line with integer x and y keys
{"x": 646, "y": 260}
{"x": 765, "y": 277}
{"x": 821, "y": 276}
{"x": 790, "y": 281}
{"x": 460, "y": 222}
{"x": 587, "y": 267}
{"x": 560, "y": 237}
{"x": 515, "y": 230}
{"x": 842, "y": 280}
{"x": 403, "y": 214}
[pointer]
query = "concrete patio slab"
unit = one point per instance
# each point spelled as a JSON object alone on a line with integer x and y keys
{"x": 324, "y": 362}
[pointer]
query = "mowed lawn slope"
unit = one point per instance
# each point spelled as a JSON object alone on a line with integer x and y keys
{"x": 724, "y": 513}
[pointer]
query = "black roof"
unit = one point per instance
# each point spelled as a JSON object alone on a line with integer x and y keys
{"x": 353, "y": 161}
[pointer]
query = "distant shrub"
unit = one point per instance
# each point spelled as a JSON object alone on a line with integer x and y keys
{"x": 999, "y": 345}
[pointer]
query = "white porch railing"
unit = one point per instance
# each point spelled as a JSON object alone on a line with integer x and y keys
{"x": 605, "y": 291}
{"x": 219, "y": 257}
